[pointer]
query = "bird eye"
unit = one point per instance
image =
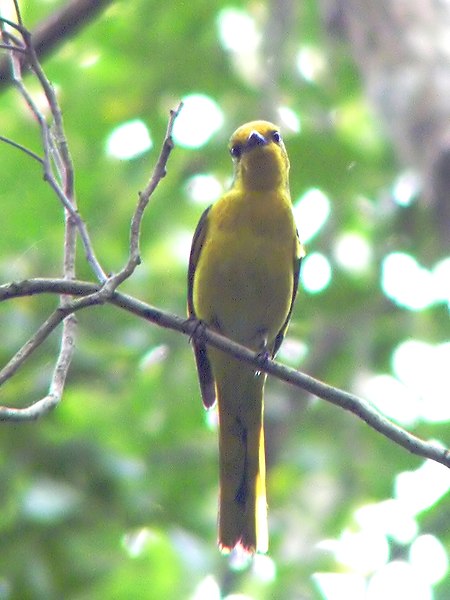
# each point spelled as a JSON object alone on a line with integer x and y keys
{"x": 236, "y": 151}
{"x": 276, "y": 137}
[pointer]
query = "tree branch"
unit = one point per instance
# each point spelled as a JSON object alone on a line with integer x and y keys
{"x": 57, "y": 163}
{"x": 30, "y": 346}
{"x": 159, "y": 172}
{"x": 358, "y": 406}
{"x": 53, "y": 398}
{"x": 58, "y": 172}
{"x": 27, "y": 151}
{"x": 55, "y": 29}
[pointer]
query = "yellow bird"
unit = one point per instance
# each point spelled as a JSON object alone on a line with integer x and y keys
{"x": 242, "y": 282}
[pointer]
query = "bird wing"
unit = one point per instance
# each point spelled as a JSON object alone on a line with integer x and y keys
{"x": 298, "y": 255}
{"x": 205, "y": 375}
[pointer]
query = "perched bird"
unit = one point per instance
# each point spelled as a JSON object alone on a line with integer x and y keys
{"x": 242, "y": 281}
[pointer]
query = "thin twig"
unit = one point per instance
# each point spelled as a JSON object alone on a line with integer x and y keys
{"x": 159, "y": 172}
{"x": 22, "y": 149}
{"x": 12, "y": 24}
{"x": 55, "y": 142}
{"x": 13, "y": 48}
{"x": 18, "y": 14}
{"x": 30, "y": 346}
{"x": 56, "y": 155}
{"x": 58, "y": 173}
{"x": 58, "y": 27}
{"x": 358, "y": 406}
{"x": 59, "y": 137}
{"x": 53, "y": 398}
{"x": 55, "y": 146}
{"x": 58, "y": 143}
{"x": 60, "y": 314}
{"x": 59, "y": 150}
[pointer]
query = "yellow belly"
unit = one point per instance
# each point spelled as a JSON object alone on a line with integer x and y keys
{"x": 244, "y": 279}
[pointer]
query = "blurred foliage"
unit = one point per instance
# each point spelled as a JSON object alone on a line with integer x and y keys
{"x": 114, "y": 494}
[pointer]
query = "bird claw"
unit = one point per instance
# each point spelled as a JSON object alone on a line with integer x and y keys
{"x": 199, "y": 329}
{"x": 262, "y": 358}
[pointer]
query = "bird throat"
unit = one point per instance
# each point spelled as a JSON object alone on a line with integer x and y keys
{"x": 263, "y": 171}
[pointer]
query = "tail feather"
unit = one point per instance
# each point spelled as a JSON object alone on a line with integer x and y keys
{"x": 254, "y": 534}
{"x": 243, "y": 508}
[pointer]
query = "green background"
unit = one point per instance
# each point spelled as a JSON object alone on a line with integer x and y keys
{"x": 114, "y": 494}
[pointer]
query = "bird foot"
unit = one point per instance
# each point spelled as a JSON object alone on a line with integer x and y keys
{"x": 198, "y": 332}
{"x": 262, "y": 357}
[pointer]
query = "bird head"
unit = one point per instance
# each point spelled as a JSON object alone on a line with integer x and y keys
{"x": 259, "y": 155}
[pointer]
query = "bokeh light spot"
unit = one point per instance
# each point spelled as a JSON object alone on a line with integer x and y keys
{"x": 419, "y": 490}
{"x": 441, "y": 278}
{"x": 340, "y": 586}
{"x": 390, "y": 517}
{"x": 310, "y": 63}
{"x": 363, "y": 551}
{"x": 423, "y": 367}
{"x": 353, "y": 252}
{"x": 315, "y": 273}
{"x": 237, "y": 30}
{"x": 197, "y": 122}
{"x": 207, "y": 589}
{"x": 429, "y": 558}
{"x": 406, "y": 188}
{"x": 406, "y": 282}
{"x": 204, "y": 188}
{"x": 311, "y": 211}
{"x": 390, "y": 396}
{"x": 129, "y": 140}
{"x": 397, "y": 579}
{"x": 289, "y": 118}
{"x": 264, "y": 568}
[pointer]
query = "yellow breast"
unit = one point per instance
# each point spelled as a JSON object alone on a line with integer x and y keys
{"x": 244, "y": 278}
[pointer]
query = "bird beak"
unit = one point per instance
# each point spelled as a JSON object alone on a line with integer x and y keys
{"x": 255, "y": 139}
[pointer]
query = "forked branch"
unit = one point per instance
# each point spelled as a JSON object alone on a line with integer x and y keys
{"x": 358, "y": 406}
{"x": 76, "y": 295}
{"x": 59, "y": 174}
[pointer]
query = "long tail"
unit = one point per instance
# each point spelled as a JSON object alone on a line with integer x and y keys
{"x": 243, "y": 507}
